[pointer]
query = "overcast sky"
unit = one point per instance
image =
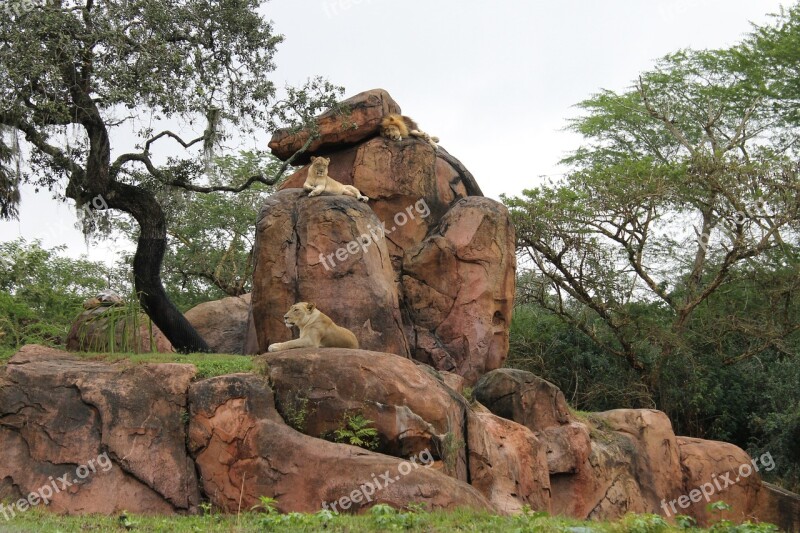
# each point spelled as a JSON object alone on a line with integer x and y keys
{"x": 495, "y": 81}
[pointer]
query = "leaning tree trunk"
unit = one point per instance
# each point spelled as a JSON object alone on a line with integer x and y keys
{"x": 150, "y": 249}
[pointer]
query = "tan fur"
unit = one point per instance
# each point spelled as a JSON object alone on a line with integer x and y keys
{"x": 318, "y": 182}
{"x": 399, "y": 127}
{"x": 317, "y": 330}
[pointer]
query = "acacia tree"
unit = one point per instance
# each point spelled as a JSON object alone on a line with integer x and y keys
{"x": 685, "y": 184}
{"x": 77, "y": 72}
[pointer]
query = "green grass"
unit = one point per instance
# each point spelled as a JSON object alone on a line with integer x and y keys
{"x": 208, "y": 364}
{"x": 379, "y": 518}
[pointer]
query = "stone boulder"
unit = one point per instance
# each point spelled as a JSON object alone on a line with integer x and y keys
{"x": 320, "y": 250}
{"x": 568, "y": 447}
{"x": 458, "y": 287}
{"x": 714, "y": 471}
{"x": 223, "y": 324}
{"x": 355, "y": 119}
{"x": 657, "y": 460}
{"x": 64, "y": 418}
{"x": 507, "y": 463}
{"x": 244, "y": 451}
{"x": 413, "y": 411}
{"x": 133, "y": 332}
{"x": 522, "y": 397}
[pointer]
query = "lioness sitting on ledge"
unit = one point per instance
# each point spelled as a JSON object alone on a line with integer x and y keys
{"x": 317, "y": 330}
{"x": 318, "y": 182}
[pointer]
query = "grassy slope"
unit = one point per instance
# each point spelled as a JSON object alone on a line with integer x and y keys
{"x": 208, "y": 365}
{"x": 379, "y": 519}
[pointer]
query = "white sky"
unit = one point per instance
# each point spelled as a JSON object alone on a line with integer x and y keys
{"x": 495, "y": 81}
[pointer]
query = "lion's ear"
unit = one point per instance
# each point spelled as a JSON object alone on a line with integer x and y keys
{"x": 311, "y": 307}
{"x": 327, "y": 159}
{"x": 313, "y": 158}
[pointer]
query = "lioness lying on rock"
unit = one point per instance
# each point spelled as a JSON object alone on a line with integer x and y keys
{"x": 318, "y": 182}
{"x": 317, "y": 330}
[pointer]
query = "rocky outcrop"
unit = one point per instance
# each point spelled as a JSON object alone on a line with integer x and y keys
{"x": 222, "y": 323}
{"x": 778, "y": 506}
{"x": 507, "y": 463}
{"x": 111, "y": 434}
{"x": 354, "y": 120}
{"x": 522, "y": 397}
{"x": 320, "y": 250}
{"x": 457, "y": 286}
{"x": 451, "y": 255}
{"x": 316, "y": 390}
{"x": 132, "y": 331}
{"x": 244, "y": 450}
{"x": 714, "y": 471}
{"x": 116, "y": 434}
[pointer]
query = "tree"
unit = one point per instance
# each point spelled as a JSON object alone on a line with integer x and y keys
{"x": 209, "y": 236}
{"x": 686, "y": 184}
{"x": 77, "y": 72}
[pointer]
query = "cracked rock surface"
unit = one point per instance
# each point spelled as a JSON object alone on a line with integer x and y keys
{"x": 58, "y": 413}
{"x": 436, "y": 282}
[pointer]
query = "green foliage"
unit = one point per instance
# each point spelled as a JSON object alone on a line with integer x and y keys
{"x": 451, "y": 447}
{"x": 356, "y": 430}
{"x": 41, "y": 292}
{"x": 266, "y": 505}
{"x": 379, "y": 518}
{"x": 663, "y": 270}
{"x": 295, "y": 411}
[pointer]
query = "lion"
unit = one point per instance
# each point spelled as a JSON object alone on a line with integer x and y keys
{"x": 317, "y": 330}
{"x": 397, "y": 127}
{"x": 318, "y": 182}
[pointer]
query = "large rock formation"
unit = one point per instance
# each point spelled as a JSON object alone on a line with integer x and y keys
{"x": 430, "y": 269}
{"x": 118, "y": 434}
{"x": 410, "y": 408}
{"x": 244, "y": 451}
{"x": 355, "y": 288}
{"x": 58, "y": 413}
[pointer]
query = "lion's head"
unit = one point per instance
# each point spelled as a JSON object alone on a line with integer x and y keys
{"x": 392, "y": 132}
{"x": 298, "y": 314}
{"x": 319, "y": 167}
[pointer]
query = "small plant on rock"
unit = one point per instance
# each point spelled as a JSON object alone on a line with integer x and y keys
{"x": 357, "y": 431}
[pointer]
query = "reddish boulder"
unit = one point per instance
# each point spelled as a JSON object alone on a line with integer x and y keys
{"x": 320, "y": 250}
{"x": 412, "y": 411}
{"x": 452, "y": 251}
{"x": 507, "y": 463}
{"x": 568, "y": 447}
{"x": 522, "y": 397}
{"x": 605, "y": 487}
{"x": 58, "y": 414}
{"x": 458, "y": 288}
{"x": 222, "y": 323}
{"x": 356, "y": 119}
{"x": 244, "y": 451}
{"x": 714, "y": 471}
{"x": 657, "y": 459}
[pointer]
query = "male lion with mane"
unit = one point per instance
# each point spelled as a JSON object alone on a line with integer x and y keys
{"x": 317, "y": 330}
